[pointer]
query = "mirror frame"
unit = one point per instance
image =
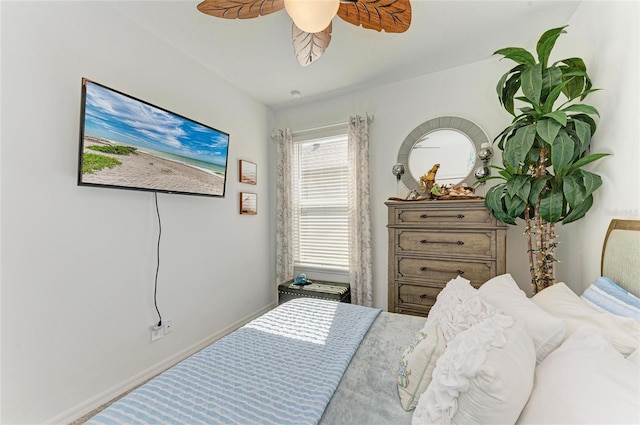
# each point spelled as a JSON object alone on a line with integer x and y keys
{"x": 462, "y": 125}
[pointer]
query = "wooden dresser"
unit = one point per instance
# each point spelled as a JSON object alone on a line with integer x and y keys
{"x": 432, "y": 242}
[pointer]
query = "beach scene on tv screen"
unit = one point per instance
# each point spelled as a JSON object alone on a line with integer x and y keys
{"x": 132, "y": 144}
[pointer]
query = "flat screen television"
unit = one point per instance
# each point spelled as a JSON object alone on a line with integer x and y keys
{"x": 127, "y": 143}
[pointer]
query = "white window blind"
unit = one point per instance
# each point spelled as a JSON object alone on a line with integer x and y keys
{"x": 320, "y": 202}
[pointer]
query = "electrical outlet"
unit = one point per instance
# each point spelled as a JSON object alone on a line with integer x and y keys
{"x": 157, "y": 332}
{"x": 168, "y": 326}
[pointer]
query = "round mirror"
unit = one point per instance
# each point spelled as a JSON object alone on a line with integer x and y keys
{"x": 452, "y": 142}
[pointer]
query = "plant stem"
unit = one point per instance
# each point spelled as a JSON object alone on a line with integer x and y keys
{"x": 527, "y": 232}
{"x": 552, "y": 253}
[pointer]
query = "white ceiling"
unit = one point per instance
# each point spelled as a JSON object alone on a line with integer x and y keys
{"x": 256, "y": 55}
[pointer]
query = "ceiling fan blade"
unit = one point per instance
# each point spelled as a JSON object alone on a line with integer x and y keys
{"x": 240, "y": 9}
{"x": 387, "y": 15}
{"x": 309, "y": 47}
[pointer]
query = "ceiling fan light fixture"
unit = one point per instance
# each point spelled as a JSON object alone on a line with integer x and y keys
{"x": 312, "y": 16}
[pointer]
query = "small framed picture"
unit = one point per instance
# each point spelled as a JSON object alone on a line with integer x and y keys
{"x": 248, "y": 172}
{"x": 248, "y": 203}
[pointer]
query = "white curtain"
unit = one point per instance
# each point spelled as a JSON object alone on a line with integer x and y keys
{"x": 284, "y": 213}
{"x": 360, "y": 256}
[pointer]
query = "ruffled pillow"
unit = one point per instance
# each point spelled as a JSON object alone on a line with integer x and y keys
{"x": 457, "y": 308}
{"x": 484, "y": 376}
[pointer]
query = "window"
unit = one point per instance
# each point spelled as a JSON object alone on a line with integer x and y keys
{"x": 320, "y": 203}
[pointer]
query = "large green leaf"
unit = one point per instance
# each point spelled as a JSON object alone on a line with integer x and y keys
{"x": 508, "y": 86}
{"x": 550, "y": 100}
{"x": 587, "y": 120}
{"x": 531, "y": 82}
{"x": 515, "y": 205}
{"x": 551, "y": 77}
{"x": 548, "y": 129}
{"x": 500, "y": 85}
{"x": 583, "y": 132}
{"x": 591, "y": 181}
{"x": 581, "y": 107}
{"x": 546, "y": 43}
{"x": 517, "y": 54}
{"x": 579, "y": 212}
{"x": 562, "y": 150}
{"x": 537, "y": 186}
{"x": 586, "y": 160}
{"x": 493, "y": 201}
{"x": 551, "y": 205}
{"x": 578, "y": 83}
{"x": 574, "y": 191}
{"x": 587, "y": 89}
{"x": 518, "y": 146}
{"x": 573, "y": 85}
{"x": 575, "y": 64}
{"x": 519, "y": 186}
{"x": 534, "y": 110}
{"x": 559, "y": 116}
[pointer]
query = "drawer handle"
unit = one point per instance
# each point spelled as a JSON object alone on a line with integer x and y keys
{"x": 424, "y": 242}
{"x": 425, "y": 269}
{"x": 461, "y": 216}
{"x": 423, "y": 296}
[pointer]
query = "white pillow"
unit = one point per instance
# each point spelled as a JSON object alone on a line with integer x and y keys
{"x": 546, "y": 331}
{"x": 622, "y": 332}
{"x": 584, "y": 381}
{"x": 457, "y": 308}
{"x": 485, "y": 376}
{"x": 635, "y": 357}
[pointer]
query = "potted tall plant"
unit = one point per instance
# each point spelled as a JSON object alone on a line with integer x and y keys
{"x": 544, "y": 149}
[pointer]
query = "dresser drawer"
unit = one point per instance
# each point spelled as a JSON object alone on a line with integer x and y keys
{"x": 442, "y": 271}
{"x": 442, "y": 242}
{"x": 422, "y": 296}
{"x": 442, "y": 216}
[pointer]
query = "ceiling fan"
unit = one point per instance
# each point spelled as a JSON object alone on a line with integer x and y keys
{"x": 311, "y": 32}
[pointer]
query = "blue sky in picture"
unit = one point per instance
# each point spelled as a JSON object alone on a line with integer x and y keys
{"x": 125, "y": 120}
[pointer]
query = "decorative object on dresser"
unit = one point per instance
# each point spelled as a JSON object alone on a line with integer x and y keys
{"x": 432, "y": 242}
{"x": 544, "y": 150}
{"x": 321, "y": 289}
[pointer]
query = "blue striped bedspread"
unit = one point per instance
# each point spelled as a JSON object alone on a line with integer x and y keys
{"x": 281, "y": 368}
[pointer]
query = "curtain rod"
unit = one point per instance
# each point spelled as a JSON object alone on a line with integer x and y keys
{"x": 323, "y": 127}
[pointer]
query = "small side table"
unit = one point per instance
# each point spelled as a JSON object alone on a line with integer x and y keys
{"x": 317, "y": 289}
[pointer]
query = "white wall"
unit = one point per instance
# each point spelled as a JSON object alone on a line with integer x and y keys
{"x": 78, "y": 263}
{"x": 602, "y": 35}
{"x": 606, "y": 35}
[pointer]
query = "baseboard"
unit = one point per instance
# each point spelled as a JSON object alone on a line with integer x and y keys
{"x": 105, "y": 397}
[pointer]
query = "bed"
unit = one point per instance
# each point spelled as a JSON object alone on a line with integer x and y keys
{"x": 482, "y": 356}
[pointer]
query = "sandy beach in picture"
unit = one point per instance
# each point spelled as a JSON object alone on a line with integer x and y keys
{"x": 146, "y": 171}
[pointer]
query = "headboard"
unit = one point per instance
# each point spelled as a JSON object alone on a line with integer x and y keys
{"x": 621, "y": 254}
